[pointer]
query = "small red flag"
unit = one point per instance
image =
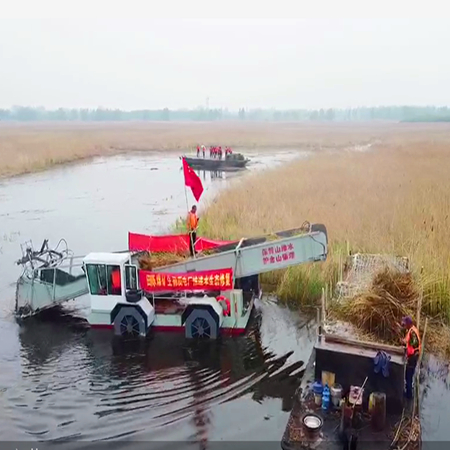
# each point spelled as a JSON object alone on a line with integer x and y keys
{"x": 192, "y": 180}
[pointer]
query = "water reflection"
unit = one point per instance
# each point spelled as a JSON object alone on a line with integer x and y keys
{"x": 140, "y": 388}
{"x": 57, "y": 381}
{"x": 211, "y": 175}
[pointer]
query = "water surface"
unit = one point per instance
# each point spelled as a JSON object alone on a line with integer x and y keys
{"x": 61, "y": 383}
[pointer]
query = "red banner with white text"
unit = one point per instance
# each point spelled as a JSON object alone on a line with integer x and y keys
{"x": 208, "y": 280}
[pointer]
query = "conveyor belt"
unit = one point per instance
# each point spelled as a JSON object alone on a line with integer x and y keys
{"x": 253, "y": 256}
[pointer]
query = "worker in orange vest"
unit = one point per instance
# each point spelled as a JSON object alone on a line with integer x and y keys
{"x": 413, "y": 347}
{"x": 192, "y": 225}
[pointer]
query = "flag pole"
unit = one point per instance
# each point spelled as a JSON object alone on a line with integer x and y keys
{"x": 187, "y": 208}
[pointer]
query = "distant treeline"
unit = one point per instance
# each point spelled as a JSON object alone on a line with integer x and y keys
{"x": 396, "y": 113}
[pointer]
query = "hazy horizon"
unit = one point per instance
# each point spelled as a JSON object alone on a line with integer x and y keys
{"x": 236, "y": 63}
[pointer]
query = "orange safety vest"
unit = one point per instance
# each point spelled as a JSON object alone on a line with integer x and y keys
{"x": 410, "y": 350}
{"x": 192, "y": 221}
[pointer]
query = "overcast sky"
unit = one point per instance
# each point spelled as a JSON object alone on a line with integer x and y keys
{"x": 297, "y": 63}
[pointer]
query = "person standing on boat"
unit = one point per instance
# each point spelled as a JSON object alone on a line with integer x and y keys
{"x": 192, "y": 225}
{"x": 413, "y": 347}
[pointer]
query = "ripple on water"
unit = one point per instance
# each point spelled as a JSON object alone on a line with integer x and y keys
{"x": 85, "y": 387}
{"x": 76, "y": 385}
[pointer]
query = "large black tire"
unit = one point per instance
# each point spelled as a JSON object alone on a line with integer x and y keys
{"x": 200, "y": 324}
{"x": 129, "y": 323}
{"x": 133, "y": 295}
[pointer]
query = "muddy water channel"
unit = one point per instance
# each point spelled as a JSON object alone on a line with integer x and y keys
{"x": 61, "y": 383}
{"x": 57, "y": 382}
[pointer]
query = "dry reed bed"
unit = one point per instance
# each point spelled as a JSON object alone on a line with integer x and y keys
{"x": 37, "y": 146}
{"x": 393, "y": 200}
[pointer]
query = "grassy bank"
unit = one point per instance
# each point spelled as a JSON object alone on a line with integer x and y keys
{"x": 30, "y": 147}
{"x": 395, "y": 199}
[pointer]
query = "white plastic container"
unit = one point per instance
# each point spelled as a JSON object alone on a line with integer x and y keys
{"x": 336, "y": 395}
{"x": 318, "y": 399}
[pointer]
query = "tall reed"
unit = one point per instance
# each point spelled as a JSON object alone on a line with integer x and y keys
{"x": 394, "y": 199}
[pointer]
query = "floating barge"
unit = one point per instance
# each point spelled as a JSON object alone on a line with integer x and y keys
{"x": 349, "y": 364}
{"x": 230, "y": 162}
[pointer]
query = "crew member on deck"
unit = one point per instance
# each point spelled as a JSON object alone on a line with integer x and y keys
{"x": 192, "y": 224}
{"x": 413, "y": 345}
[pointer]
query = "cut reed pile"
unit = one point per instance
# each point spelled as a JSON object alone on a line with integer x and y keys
{"x": 151, "y": 261}
{"x": 409, "y": 434}
{"x": 379, "y": 311}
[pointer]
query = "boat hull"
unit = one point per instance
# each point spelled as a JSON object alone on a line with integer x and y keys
{"x": 101, "y": 319}
{"x": 216, "y": 164}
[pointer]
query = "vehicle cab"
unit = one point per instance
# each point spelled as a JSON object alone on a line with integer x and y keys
{"x": 111, "y": 279}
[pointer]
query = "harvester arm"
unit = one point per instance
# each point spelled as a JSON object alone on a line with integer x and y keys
{"x": 260, "y": 255}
